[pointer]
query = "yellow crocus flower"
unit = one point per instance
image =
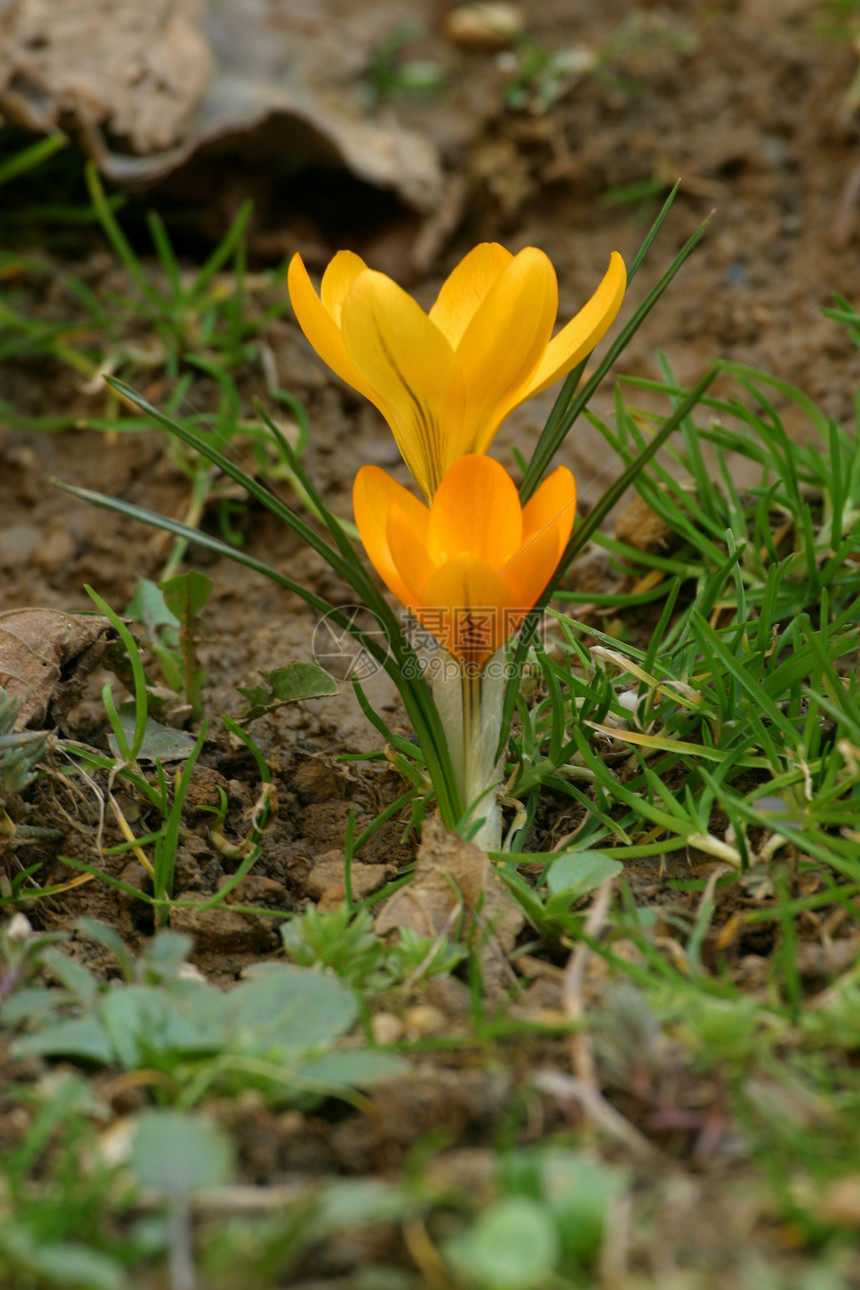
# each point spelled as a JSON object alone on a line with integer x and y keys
{"x": 470, "y": 566}
{"x": 446, "y": 380}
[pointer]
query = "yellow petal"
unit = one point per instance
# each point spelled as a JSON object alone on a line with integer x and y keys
{"x": 475, "y": 509}
{"x": 320, "y": 327}
{"x": 547, "y": 522}
{"x": 502, "y": 347}
{"x": 466, "y": 288}
{"x": 410, "y": 366}
{"x": 469, "y": 608}
{"x": 342, "y": 271}
{"x": 374, "y": 494}
{"x": 576, "y": 340}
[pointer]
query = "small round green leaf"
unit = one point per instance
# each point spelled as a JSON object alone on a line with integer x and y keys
{"x": 580, "y": 872}
{"x": 513, "y": 1246}
{"x": 180, "y": 1153}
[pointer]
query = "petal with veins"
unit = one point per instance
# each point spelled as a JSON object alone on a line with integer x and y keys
{"x": 502, "y": 347}
{"x": 406, "y": 360}
{"x": 466, "y": 287}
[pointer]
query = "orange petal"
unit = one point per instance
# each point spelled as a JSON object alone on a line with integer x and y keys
{"x": 553, "y": 499}
{"x": 576, "y": 340}
{"x": 320, "y": 327}
{"x": 342, "y": 271}
{"x": 547, "y": 522}
{"x": 410, "y": 366}
{"x": 476, "y": 510}
{"x": 503, "y": 345}
{"x": 407, "y": 542}
{"x": 374, "y": 494}
{"x": 466, "y": 288}
{"x": 468, "y": 607}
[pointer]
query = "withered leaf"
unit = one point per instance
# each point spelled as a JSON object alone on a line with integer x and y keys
{"x": 454, "y": 880}
{"x": 46, "y": 656}
{"x": 642, "y": 528}
{"x": 150, "y": 87}
{"x": 137, "y": 72}
{"x": 449, "y": 873}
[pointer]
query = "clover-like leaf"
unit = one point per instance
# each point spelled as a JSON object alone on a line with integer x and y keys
{"x": 284, "y": 685}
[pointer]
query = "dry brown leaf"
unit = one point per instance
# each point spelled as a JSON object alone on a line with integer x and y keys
{"x": 455, "y": 879}
{"x": 642, "y": 528}
{"x": 450, "y": 874}
{"x": 136, "y": 71}
{"x": 46, "y": 656}
{"x": 148, "y": 87}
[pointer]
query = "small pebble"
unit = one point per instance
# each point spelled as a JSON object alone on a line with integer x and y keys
{"x": 18, "y": 542}
{"x": 19, "y": 928}
{"x": 424, "y": 1019}
{"x": 386, "y": 1028}
{"x": 487, "y": 27}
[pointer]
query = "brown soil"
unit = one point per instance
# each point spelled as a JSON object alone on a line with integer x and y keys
{"x": 747, "y": 103}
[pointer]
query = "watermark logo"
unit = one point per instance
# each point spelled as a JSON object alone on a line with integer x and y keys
{"x": 337, "y": 650}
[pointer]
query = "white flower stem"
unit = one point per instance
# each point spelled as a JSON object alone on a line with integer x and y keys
{"x": 470, "y": 708}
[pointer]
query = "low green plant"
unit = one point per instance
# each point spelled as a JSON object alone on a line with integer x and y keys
{"x": 20, "y": 750}
{"x": 31, "y": 156}
{"x": 21, "y": 951}
{"x": 546, "y": 1228}
{"x": 540, "y": 75}
{"x": 192, "y": 329}
{"x": 745, "y": 675}
{"x": 276, "y": 1031}
{"x": 189, "y": 316}
{"x": 135, "y": 735}
{"x": 59, "y": 1233}
{"x": 391, "y": 73}
{"x": 169, "y": 610}
{"x": 284, "y": 685}
{"x": 551, "y": 899}
{"x": 192, "y": 318}
{"x": 261, "y": 1252}
{"x": 345, "y": 943}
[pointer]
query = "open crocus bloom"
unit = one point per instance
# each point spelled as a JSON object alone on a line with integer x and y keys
{"x": 445, "y": 381}
{"x": 472, "y": 564}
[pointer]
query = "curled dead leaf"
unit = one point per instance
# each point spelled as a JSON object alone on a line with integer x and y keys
{"x": 46, "y": 656}
{"x": 132, "y": 72}
{"x": 149, "y": 87}
{"x": 450, "y": 876}
{"x": 642, "y": 528}
{"x": 455, "y": 888}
